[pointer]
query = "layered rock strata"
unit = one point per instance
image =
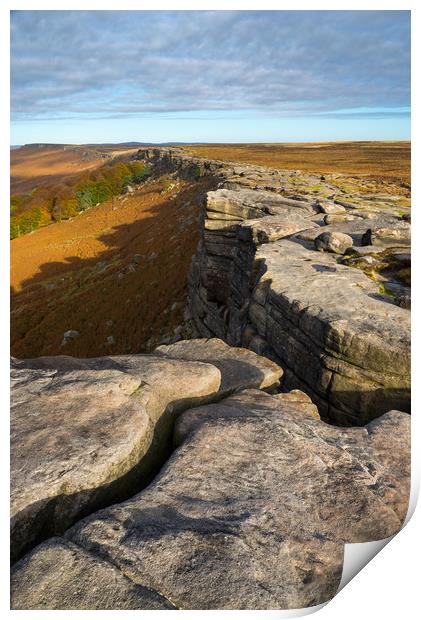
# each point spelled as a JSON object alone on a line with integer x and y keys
{"x": 338, "y": 324}
{"x": 185, "y": 479}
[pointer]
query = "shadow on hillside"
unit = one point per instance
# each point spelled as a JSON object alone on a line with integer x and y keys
{"x": 157, "y": 246}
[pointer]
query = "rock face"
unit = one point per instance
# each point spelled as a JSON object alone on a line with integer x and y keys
{"x": 340, "y": 331}
{"x": 184, "y": 479}
{"x": 251, "y": 512}
{"x": 88, "y": 432}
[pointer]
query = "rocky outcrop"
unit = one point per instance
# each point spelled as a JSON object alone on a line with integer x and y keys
{"x": 339, "y": 327}
{"x": 252, "y": 511}
{"x": 186, "y": 479}
{"x": 89, "y": 432}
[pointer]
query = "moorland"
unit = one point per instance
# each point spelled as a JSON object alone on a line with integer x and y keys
{"x": 101, "y": 250}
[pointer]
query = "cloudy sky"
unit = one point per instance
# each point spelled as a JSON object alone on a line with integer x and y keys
{"x": 220, "y": 76}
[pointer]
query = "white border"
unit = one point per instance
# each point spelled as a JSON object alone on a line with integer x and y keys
{"x": 388, "y": 586}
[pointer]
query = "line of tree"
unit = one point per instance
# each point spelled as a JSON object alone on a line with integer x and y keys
{"x": 61, "y": 201}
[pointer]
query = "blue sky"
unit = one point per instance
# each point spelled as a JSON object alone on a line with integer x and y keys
{"x": 211, "y": 76}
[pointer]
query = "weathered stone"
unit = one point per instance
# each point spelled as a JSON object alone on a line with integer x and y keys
{"x": 402, "y": 257}
{"x": 211, "y": 215}
{"x": 395, "y": 236}
{"x": 272, "y": 228}
{"x": 330, "y": 208}
{"x": 345, "y": 203}
{"x": 232, "y": 203}
{"x": 220, "y": 527}
{"x": 364, "y": 250}
{"x": 221, "y": 224}
{"x": 333, "y": 242}
{"x": 81, "y": 581}
{"x": 247, "y": 204}
{"x": 324, "y": 315}
{"x": 240, "y": 368}
{"x": 70, "y": 334}
{"x": 300, "y": 401}
{"x": 363, "y": 261}
{"x": 85, "y": 432}
{"x": 355, "y": 228}
{"x": 337, "y": 219}
{"x": 331, "y": 328}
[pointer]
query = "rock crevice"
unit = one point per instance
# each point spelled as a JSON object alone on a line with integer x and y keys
{"x": 204, "y": 475}
{"x": 86, "y": 433}
{"x": 259, "y": 280}
{"x": 251, "y": 511}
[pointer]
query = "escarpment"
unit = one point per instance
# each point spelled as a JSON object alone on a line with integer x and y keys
{"x": 337, "y": 320}
{"x": 228, "y": 470}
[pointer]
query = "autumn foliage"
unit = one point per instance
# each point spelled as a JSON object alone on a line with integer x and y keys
{"x": 61, "y": 201}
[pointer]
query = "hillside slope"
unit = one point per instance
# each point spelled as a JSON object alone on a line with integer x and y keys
{"x": 115, "y": 274}
{"x": 39, "y": 165}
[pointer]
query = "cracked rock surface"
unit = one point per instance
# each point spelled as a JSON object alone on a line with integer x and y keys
{"x": 81, "y": 430}
{"x": 85, "y": 432}
{"x": 184, "y": 479}
{"x": 251, "y": 512}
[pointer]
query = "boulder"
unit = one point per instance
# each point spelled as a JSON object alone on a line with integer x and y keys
{"x": 338, "y": 219}
{"x": 335, "y": 242}
{"x": 239, "y": 368}
{"x": 88, "y": 432}
{"x": 70, "y": 334}
{"x": 252, "y": 511}
{"x": 330, "y": 208}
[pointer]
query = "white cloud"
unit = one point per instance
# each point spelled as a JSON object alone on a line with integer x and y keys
{"x": 89, "y": 63}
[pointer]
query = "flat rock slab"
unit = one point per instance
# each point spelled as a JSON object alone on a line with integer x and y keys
{"x": 252, "y": 511}
{"x": 240, "y": 368}
{"x": 89, "y": 432}
{"x": 272, "y": 228}
{"x": 83, "y": 432}
{"x": 249, "y": 204}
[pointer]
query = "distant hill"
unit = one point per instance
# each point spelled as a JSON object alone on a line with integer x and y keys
{"x": 53, "y": 145}
{"x": 138, "y": 144}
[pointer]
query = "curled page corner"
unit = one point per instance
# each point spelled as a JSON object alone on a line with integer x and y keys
{"x": 358, "y": 555}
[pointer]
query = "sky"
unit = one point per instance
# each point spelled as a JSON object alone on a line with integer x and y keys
{"x": 209, "y": 76}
